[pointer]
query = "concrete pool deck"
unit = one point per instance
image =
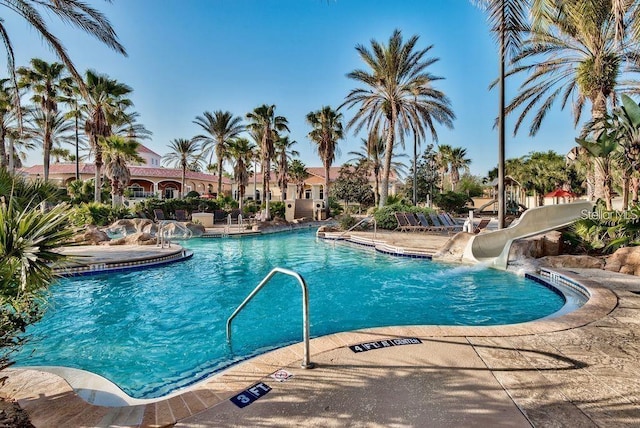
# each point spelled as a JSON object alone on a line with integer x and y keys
{"x": 580, "y": 369}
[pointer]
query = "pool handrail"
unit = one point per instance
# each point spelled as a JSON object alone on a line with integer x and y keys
{"x": 306, "y": 364}
{"x": 364, "y": 220}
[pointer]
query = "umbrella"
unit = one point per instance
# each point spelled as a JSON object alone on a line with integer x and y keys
{"x": 560, "y": 193}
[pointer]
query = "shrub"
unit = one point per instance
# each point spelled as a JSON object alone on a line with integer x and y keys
{"x": 97, "y": 214}
{"x": 386, "y": 219}
{"x": 276, "y": 209}
{"x": 192, "y": 194}
{"x": 347, "y": 221}
{"x": 452, "y": 201}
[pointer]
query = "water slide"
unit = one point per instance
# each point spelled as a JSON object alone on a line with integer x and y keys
{"x": 492, "y": 248}
{"x": 482, "y": 207}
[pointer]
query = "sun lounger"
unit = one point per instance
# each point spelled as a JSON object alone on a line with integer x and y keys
{"x": 424, "y": 221}
{"x": 437, "y": 224}
{"x": 158, "y": 214}
{"x": 403, "y": 223}
{"x": 181, "y": 215}
{"x": 413, "y": 222}
{"x": 449, "y": 223}
{"x": 481, "y": 226}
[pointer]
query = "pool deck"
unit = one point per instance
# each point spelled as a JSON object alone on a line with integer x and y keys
{"x": 580, "y": 369}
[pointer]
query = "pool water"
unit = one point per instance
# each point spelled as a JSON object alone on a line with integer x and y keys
{"x": 156, "y": 330}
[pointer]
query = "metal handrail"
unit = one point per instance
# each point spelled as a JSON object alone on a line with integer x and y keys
{"x": 375, "y": 226}
{"x": 306, "y": 364}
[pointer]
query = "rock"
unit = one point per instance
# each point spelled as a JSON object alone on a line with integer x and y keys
{"x": 138, "y": 238}
{"x": 549, "y": 244}
{"x": 453, "y": 249}
{"x": 625, "y": 260}
{"x": 91, "y": 236}
{"x": 571, "y": 261}
{"x": 552, "y": 243}
{"x": 196, "y": 229}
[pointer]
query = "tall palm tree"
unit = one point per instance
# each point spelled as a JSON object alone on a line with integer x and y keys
{"x": 242, "y": 151}
{"x": 265, "y": 124}
{"x": 105, "y": 105}
{"x": 52, "y": 127}
{"x": 370, "y": 155}
{"x": 327, "y": 130}
{"x": 443, "y": 157}
{"x": 221, "y": 127}
{"x": 283, "y": 155}
{"x": 398, "y": 97}
{"x": 508, "y": 22}
{"x": 458, "y": 161}
{"x": 298, "y": 173}
{"x": 575, "y": 51}
{"x": 183, "y": 154}
{"x": 7, "y": 113}
{"x": 47, "y": 82}
{"x": 59, "y": 154}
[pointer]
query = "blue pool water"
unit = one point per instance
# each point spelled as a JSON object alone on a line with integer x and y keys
{"x": 155, "y": 330}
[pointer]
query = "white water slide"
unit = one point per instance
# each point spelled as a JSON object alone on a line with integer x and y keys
{"x": 492, "y": 248}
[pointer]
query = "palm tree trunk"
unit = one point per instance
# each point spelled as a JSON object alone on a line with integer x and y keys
{"x": 388, "y": 153}
{"x": 327, "y": 209}
{"x": 97, "y": 196}
{"x": 602, "y": 184}
{"x": 184, "y": 179}
{"x": 266, "y": 188}
{"x": 47, "y": 143}
{"x": 635, "y": 186}
{"x": 3, "y": 150}
{"x": 625, "y": 192}
{"x": 219, "y": 176}
{"x": 376, "y": 192}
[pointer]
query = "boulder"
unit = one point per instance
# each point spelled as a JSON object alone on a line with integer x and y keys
{"x": 196, "y": 229}
{"x": 571, "y": 261}
{"x": 138, "y": 238}
{"x": 625, "y": 260}
{"x": 91, "y": 236}
{"x": 549, "y": 244}
{"x": 453, "y": 249}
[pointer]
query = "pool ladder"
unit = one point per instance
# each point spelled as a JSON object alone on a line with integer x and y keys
{"x": 306, "y": 364}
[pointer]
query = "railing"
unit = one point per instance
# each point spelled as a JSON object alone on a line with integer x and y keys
{"x": 306, "y": 364}
{"x": 163, "y": 235}
{"x": 364, "y": 220}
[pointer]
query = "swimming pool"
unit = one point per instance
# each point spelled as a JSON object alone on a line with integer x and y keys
{"x": 156, "y": 330}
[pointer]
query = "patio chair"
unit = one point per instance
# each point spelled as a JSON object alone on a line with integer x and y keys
{"x": 219, "y": 216}
{"x": 424, "y": 221}
{"x": 181, "y": 215}
{"x": 437, "y": 224}
{"x": 449, "y": 223}
{"x": 481, "y": 226}
{"x": 403, "y": 223}
{"x": 158, "y": 215}
{"x": 414, "y": 224}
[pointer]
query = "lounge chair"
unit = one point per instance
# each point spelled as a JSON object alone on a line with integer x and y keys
{"x": 449, "y": 223}
{"x": 424, "y": 221}
{"x": 219, "y": 216}
{"x": 481, "y": 226}
{"x": 158, "y": 215}
{"x": 403, "y": 223}
{"x": 181, "y": 215}
{"x": 414, "y": 224}
{"x": 437, "y": 224}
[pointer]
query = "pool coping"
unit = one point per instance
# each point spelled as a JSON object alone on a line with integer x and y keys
{"x": 221, "y": 386}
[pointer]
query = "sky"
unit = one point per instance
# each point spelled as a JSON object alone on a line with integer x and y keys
{"x": 186, "y": 57}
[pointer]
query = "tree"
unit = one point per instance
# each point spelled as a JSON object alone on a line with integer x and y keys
{"x": 576, "y": 51}
{"x": 7, "y": 108}
{"x": 283, "y": 155}
{"x": 53, "y": 127}
{"x": 117, "y": 152}
{"x": 105, "y": 105}
{"x": 352, "y": 184}
{"x": 47, "y": 82}
{"x": 443, "y": 158}
{"x": 327, "y": 130}
{"x": 399, "y": 96}
{"x": 601, "y": 148}
{"x": 508, "y": 22}
{"x": 183, "y": 154}
{"x": 221, "y": 127}
{"x": 241, "y": 151}
{"x": 458, "y": 161}
{"x": 264, "y": 124}
{"x": 427, "y": 175}
{"x": 298, "y": 173}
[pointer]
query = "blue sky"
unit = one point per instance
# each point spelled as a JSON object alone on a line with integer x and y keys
{"x": 190, "y": 56}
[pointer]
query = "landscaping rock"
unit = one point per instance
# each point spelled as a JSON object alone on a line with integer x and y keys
{"x": 453, "y": 250}
{"x": 549, "y": 244}
{"x": 196, "y": 229}
{"x": 572, "y": 261}
{"x": 625, "y": 260}
{"x": 138, "y": 238}
{"x": 91, "y": 236}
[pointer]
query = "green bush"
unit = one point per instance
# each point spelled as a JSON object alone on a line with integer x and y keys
{"x": 192, "y": 194}
{"x": 276, "y": 209}
{"x": 347, "y": 221}
{"x": 97, "y": 214}
{"x": 169, "y": 206}
{"x": 452, "y": 202}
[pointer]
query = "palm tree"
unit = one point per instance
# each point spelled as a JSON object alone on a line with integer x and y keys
{"x": 78, "y": 14}
{"x": 242, "y": 151}
{"x": 53, "y": 127}
{"x": 575, "y": 50}
{"x": 221, "y": 127}
{"x": 327, "y": 130}
{"x": 508, "y": 21}
{"x": 47, "y": 82}
{"x": 104, "y": 106}
{"x": 184, "y": 153}
{"x": 59, "y": 154}
{"x": 283, "y": 154}
{"x": 117, "y": 152}
{"x": 399, "y": 97}
{"x": 370, "y": 155}
{"x": 457, "y": 161}
{"x": 265, "y": 124}
{"x": 7, "y": 113}
{"x": 442, "y": 158}
{"x": 298, "y": 173}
